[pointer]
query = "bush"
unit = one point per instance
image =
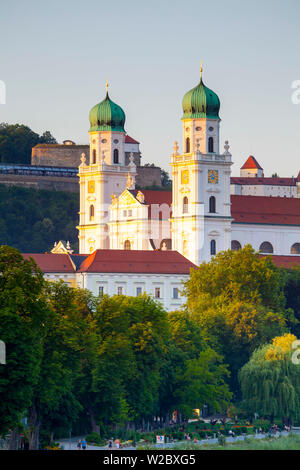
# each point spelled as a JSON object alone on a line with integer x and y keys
{"x": 221, "y": 440}
{"x": 95, "y": 438}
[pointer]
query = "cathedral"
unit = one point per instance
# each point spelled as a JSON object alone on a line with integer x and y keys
{"x": 207, "y": 211}
{"x": 133, "y": 241}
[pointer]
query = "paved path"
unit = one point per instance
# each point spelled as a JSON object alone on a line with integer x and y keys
{"x": 72, "y": 445}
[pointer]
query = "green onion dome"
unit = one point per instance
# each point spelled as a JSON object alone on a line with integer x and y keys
{"x": 201, "y": 102}
{"x": 107, "y": 116}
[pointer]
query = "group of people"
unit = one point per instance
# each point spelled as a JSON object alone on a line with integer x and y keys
{"x": 81, "y": 444}
{"x": 117, "y": 443}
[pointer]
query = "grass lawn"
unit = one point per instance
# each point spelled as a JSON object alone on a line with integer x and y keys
{"x": 291, "y": 442}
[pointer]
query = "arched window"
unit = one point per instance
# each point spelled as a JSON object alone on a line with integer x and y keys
{"x": 212, "y": 204}
{"x": 166, "y": 244}
{"x": 185, "y": 205}
{"x": 295, "y": 249}
{"x": 213, "y": 247}
{"x": 187, "y": 145}
{"x": 127, "y": 245}
{"x": 235, "y": 245}
{"x": 210, "y": 145}
{"x": 116, "y": 156}
{"x": 94, "y": 156}
{"x": 266, "y": 247}
{"x": 92, "y": 213}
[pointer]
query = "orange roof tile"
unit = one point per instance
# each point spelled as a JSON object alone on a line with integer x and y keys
{"x": 265, "y": 210}
{"x": 136, "y": 261}
{"x": 51, "y": 262}
{"x": 251, "y": 163}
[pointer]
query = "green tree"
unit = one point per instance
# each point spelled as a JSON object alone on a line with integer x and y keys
{"x": 193, "y": 374}
{"x": 17, "y": 140}
{"x": 23, "y": 312}
{"x": 238, "y": 301}
{"x": 270, "y": 381}
{"x": 203, "y": 382}
{"x": 241, "y": 275}
{"x": 132, "y": 333}
{"x": 67, "y": 332}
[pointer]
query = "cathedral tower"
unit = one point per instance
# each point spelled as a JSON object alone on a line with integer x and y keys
{"x": 201, "y": 220}
{"x": 102, "y": 174}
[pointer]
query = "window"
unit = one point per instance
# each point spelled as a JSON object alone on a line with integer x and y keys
{"x": 213, "y": 247}
{"x": 130, "y": 213}
{"x": 127, "y": 245}
{"x": 124, "y": 213}
{"x": 120, "y": 290}
{"x": 116, "y": 156}
{"x": 212, "y": 204}
{"x": 187, "y": 145}
{"x": 235, "y": 245}
{"x": 175, "y": 292}
{"x": 266, "y": 247}
{"x": 157, "y": 292}
{"x": 295, "y": 249}
{"x": 139, "y": 291}
{"x": 101, "y": 291}
{"x": 92, "y": 213}
{"x": 185, "y": 205}
{"x": 210, "y": 145}
{"x": 94, "y": 156}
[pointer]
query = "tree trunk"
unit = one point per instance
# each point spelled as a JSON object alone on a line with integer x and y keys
{"x": 13, "y": 440}
{"x": 95, "y": 426}
{"x": 34, "y": 427}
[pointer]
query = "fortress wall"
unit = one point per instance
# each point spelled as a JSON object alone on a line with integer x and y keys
{"x": 58, "y": 155}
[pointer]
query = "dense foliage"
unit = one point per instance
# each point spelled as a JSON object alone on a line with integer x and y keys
{"x": 94, "y": 362}
{"x": 17, "y": 140}
{"x": 271, "y": 380}
{"x": 238, "y": 302}
{"x": 79, "y": 362}
{"x": 32, "y": 220}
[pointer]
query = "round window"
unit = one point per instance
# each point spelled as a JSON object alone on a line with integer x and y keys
{"x": 187, "y": 129}
{"x": 103, "y": 141}
{"x": 198, "y": 129}
{"x": 116, "y": 141}
{"x": 211, "y": 129}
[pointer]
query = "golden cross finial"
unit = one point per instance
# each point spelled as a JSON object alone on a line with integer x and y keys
{"x": 201, "y": 69}
{"x": 106, "y": 86}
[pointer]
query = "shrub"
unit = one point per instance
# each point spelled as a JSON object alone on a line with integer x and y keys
{"x": 94, "y": 438}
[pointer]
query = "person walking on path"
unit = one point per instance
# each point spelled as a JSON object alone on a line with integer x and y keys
{"x": 79, "y": 444}
{"x": 83, "y": 444}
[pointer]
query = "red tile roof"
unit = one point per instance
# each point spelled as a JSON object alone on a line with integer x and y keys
{"x": 158, "y": 201}
{"x": 285, "y": 261}
{"x": 265, "y": 210}
{"x": 263, "y": 181}
{"x": 51, "y": 262}
{"x": 251, "y": 163}
{"x": 130, "y": 140}
{"x": 136, "y": 261}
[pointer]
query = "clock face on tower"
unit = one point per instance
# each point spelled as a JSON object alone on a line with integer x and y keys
{"x": 184, "y": 177}
{"x": 213, "y": 176}
{"x": 91, "y": 186}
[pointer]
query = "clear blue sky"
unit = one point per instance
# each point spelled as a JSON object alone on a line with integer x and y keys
{"x": 56, "y": 57}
